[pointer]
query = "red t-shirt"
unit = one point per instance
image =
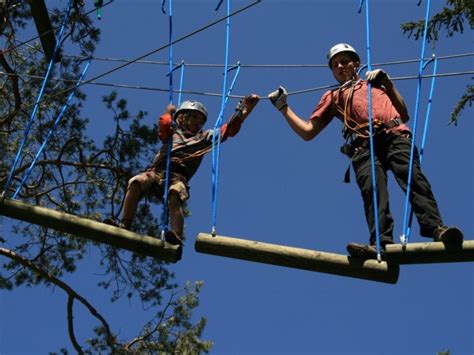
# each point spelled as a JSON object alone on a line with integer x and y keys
{"x": 382, "y": 108}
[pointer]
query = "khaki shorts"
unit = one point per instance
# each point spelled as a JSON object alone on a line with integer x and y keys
{"x": 152, "y": 184}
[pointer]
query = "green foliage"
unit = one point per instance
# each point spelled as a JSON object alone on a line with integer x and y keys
{"x": 171, "y": 330}
{"x": 466, "y": 99}
{"x": 85, "y": 176}
{"x": 452, "y": 20}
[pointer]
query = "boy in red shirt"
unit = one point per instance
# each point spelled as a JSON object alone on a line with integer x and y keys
{"x": 392, "y": 145}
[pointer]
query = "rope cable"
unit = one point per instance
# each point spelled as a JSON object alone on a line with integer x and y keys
{"x": 371, "y": 130}
{"x": 212, "y": 94}
{"x": 50, "y": 133}
{"x": 270, "y": 66}
{"x": 405, "y": 237}
{"x": 217, "y": 127}
{"x": 38, "y": 100}
{"x": 425, "y": 129}
{"x": 165, "y": 211}
{"x": 181, "y": 79}
{"x": 180, "y": 39}
{"x": 51, "y": 30}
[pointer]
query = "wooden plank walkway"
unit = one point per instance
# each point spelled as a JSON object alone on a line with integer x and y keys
{"x": 431, "y": 252}
{"x": 92, "y": 230}
{"x": 298, "y": 258}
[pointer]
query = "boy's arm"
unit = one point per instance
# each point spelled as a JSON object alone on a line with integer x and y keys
{"x": 243, "y": 109}
{"x": 305, "y": 129}
{"x": 165, "y": 123}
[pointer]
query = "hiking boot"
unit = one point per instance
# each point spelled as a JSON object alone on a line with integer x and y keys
{"x": 447, "y": 234}
{"x": 363, "y": 251}
{"x": 113, "y": 222}
{"x": 172, "y": 238}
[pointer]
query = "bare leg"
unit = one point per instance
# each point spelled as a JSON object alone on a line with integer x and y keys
{"x": 132, "y": 197}
{"x": 175, "y": 206}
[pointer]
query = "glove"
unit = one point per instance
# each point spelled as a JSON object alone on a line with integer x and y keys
{"x": 376, "y": 77}
{"x": 278, "y": 98}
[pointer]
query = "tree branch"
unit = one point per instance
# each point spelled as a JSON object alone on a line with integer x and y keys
{"x": 16, "y": 91}
{"x": 70, "y": 325}
{"x": 110, "y": 339}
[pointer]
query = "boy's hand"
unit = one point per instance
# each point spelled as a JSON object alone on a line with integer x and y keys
{"x": 377, "y": 77}
{"x": 278, "y": 98}
{"x": 249, "y": 104}
{"x": 171, "y": 109}
{"x": 243, "y": 109}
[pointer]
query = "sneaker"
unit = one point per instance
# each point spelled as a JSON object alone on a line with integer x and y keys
{"x": 113, "y": 222}
{"x": 172, "y": 238}
{"x": 362, "y": 251}
{"x": 447, "y": 234}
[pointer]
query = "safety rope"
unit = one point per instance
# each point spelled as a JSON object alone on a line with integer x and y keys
{"x": 165, "y": 211}
{"x": 425, "y": 128}
{"x": 371, "y": 130}
{"x": 261, "y": 66}
{"x": 215, "y": 94}
{"x": 38, "y": 100}
{"x": 180, "y": 39}
{"x": 181, "y": 79}
{"x": 50, "y": 133}
{"x": 404, "y": 238}
{"x": 216, "y": 137}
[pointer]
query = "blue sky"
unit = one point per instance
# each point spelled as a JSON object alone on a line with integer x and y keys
{"x": 276, "y": 188}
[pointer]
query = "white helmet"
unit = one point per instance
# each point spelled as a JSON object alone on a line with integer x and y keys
{"x": 192, "y": 105}
{"x": 339, "y": 48}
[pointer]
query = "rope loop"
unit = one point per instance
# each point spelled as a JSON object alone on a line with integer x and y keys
{"x": 405, "y": 237}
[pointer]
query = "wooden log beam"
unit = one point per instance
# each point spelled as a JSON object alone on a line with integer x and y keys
{"x": 311, "y": 260}
{"x": 432, "y": 252}
{"x": 92, "y": 230}
{"x": 44, "y": 28}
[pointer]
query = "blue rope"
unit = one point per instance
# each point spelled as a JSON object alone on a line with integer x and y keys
{"x": 425, "y": 128}
{"x": 51, "y": 130}
{"x": 38, "y": 100}
{"x": 217, "y": 126}
{"x": 165, "y": 212}
{"x": 181, "y": 79}
{"x": 405, "y": 236}
{"x": 371, "y": 130}
{"x": 216, "y": 157}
